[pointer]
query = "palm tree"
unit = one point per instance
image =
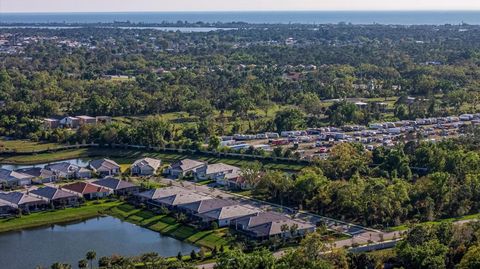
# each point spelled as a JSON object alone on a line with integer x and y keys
{"x": 58, "y": 265}
{"x": 91, "y": 255}
{"x": 82, "y": 264}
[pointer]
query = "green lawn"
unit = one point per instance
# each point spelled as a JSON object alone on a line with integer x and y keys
{"x": 126, "y": 157}
{"x": 25, "y": 145}
{"x": 89, "y": 210}
{"x": 168, "y": 226}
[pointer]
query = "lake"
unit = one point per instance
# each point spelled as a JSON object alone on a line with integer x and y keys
{"x": 69, "y": 243}
{"x": 80, "y": 162}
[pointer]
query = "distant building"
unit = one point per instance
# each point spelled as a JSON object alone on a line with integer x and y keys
{"x": 86, "y": 120}
{"x": 22, "y": 201}
{"x": 39, "y": 175}
{"x": 70, "y": 122}
{"x": 51, "y": 123}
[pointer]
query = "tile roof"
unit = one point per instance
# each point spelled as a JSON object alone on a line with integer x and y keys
{"x": 84, "y": 188}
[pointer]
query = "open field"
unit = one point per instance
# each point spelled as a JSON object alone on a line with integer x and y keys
{"x": 89, "y": 210}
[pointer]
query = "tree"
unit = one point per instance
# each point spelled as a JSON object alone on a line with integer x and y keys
{"x": 58, "y": 265}
{"x": 214, "y": 143}
{"x": 289, "y": 119}
{"x": 251, "y": 173}
{"x": 82, "y": 264}
{"x": 193, "y": 255}
{"x": 471, "y": 259}
{"x": 91, "y": 255}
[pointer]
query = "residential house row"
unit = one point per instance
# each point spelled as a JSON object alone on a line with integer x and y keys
{"x": 46, "y": 197}
{"x": 74, "y": 122}
{"x": 67, "y": 171}
{"x": 225, "y": 175}
{"x": 205, "y": 209}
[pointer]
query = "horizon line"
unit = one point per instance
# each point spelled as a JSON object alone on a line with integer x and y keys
{"x": 243, "y": 11}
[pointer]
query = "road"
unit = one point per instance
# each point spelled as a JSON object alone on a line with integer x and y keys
{"x": 362, "y": 238}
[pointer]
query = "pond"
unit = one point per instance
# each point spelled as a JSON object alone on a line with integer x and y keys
{"x": 78, "y": 161}
{"x": 70, "y": 242}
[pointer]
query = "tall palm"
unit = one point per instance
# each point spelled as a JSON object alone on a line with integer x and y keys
{"x": 91, "y": 255}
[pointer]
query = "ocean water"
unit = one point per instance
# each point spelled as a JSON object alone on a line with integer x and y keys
{"x": 306, "y": 17}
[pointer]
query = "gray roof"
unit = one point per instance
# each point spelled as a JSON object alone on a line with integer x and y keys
{"x": 183, "y": 198}
{"x": 260, "y": 218}
{"x": 207, "y": 205}
{"x": 221, "y": 167}
{"x": 52, "y": 193}
{"x": 113, "y": 183}
{"x": 275, "y": 227}
{"x": 187, "y": 164}
{"x": 18, "y": 198}
{"x": 153, "y": 163}
{"x": 37, "y": 172}
{"x": 8, "y": 175}
{"x": 63, "y": 167}
{"x": 162, "y": 192}
{"x": 104, "y": 165}
{"x": 230, "y": 212}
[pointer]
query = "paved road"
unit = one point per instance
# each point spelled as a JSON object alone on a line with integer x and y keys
{"x": 366, "y": 239}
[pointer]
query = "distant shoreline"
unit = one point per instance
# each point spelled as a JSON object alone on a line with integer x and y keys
{"x": 253, "y": 17}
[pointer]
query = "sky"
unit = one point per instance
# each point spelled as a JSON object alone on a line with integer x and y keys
{"x": 230, "y": 5}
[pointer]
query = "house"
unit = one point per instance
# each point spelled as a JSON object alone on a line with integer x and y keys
{"x": 87, "y": 190}
{"x": 202, "y": 206}
{"x": 70, "y": 122}
{"x": 145, "y": 167}
{"x": 150, "y": 196}
{"x": 236, "y": 182}
{"x": 184, "y": 167}
{"x": 223, "y": 216}
{"x": 218, "y": 172}
{"x": 6, "y": 209}
{"x": 181, "y": 199}
{"x": 67, "y": 170}
{"x": 39, "y": 175}
{"x": 86, "y": 120}
{"x": 105, "y": 167}
{"x": 11, "y": 179}
{"x": 51, "y": 123}
{"x": 22, "y": 201}
{"x": 264, "y": 225}
{"x": 119, "y": 187}
{"x": 56, "y": 197}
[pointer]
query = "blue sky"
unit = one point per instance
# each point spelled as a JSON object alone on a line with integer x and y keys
{"x": 230, "y": 5}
